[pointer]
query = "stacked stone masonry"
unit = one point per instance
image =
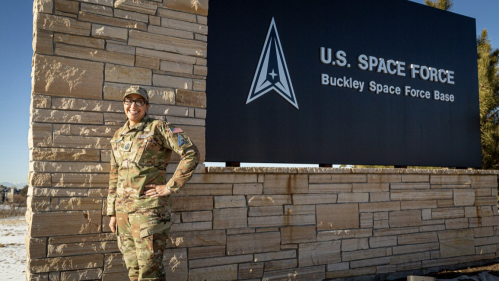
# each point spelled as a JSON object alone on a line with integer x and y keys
{"x": 86, "y": 53}
{"x": 230, "y": 223}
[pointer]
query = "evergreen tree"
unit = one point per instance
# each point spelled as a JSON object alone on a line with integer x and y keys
{"x": 488, "y": 80}
{"x": 24, "y": 191}
{"x": 488, "y": 85}
{"x": 445, "y": 5}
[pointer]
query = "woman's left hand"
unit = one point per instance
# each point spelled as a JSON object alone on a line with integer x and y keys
{"x": 156, "y": 190}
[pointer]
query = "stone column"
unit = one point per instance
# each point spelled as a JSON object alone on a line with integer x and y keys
{"x": 86, "y": 52}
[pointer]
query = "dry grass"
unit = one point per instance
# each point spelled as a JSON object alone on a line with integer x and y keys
{"x": 15, "y": 208}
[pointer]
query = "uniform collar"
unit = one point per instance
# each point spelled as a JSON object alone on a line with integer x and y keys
{"x": 137, "y": 127}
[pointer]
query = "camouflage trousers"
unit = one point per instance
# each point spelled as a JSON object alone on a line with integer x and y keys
{"x": 142, "y": 239}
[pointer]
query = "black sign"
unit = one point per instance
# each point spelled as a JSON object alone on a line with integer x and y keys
{"x": 386, "y": 82}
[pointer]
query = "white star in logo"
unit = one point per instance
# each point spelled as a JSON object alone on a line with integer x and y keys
{"x": 273, "y": 74}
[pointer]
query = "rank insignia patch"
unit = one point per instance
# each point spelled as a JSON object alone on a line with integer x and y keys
{"x": 127, "y": 146}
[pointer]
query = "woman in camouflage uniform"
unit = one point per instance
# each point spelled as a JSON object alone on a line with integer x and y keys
{"x": 139, "y": 201}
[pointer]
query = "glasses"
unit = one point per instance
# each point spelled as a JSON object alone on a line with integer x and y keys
{"x": 138, "y": 103}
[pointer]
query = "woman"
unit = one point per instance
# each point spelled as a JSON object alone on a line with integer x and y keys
{"x": 139, "y": 200}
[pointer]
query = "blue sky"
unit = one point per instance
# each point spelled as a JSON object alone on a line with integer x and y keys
{"x": 15, "y": 69}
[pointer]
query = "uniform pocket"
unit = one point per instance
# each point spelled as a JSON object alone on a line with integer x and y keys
{"x": 147, "y": 230}
{"x": 140, "y": 151}
{"x": 149, "y": 153}
{"x": 116, "y": 145}
{"x": 154, "y": 221}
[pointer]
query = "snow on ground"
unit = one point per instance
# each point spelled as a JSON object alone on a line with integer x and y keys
{"x": 12, "y": 249}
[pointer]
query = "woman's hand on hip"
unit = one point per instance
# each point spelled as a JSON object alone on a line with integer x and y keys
{"x": 112, "y": 224}
{"x": 156, "y": 190}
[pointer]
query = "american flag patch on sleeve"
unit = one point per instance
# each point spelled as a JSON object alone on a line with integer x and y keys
{"x": 176, "y": 130}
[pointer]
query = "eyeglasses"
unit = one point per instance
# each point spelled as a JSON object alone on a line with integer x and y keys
{"x": 138, "y": 103}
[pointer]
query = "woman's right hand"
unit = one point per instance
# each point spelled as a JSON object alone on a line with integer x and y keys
{"x": 112, "y": 224}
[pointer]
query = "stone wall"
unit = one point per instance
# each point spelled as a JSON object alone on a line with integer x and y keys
{"x": 312, "y": 224}
{"x": 230, "y": 223}
{"x": 292, "y": 224}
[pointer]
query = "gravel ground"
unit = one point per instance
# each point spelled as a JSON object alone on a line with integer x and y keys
{"x": 482, "y": 273}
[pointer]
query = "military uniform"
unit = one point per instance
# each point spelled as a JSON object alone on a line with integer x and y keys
{"x": 139, "y": 158}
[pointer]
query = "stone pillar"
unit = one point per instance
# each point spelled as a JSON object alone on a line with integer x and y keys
{"x": 86, "y": 52}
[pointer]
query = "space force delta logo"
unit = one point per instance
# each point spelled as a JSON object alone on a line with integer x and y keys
{"x": 272, "y": 71}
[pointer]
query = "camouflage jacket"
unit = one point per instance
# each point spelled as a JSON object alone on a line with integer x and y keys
{"x": 139, "y": 157}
